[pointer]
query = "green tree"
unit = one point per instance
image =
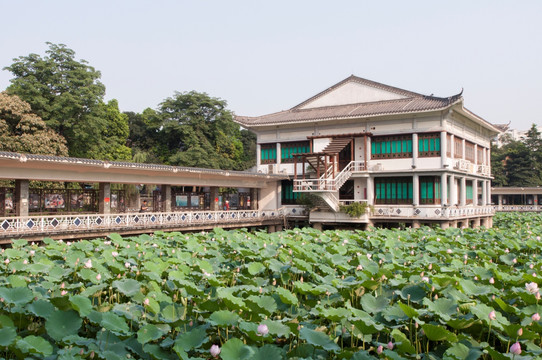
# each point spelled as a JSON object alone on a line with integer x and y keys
{"x": 198, "y": 130}
{"x": 115, "y": 133}
{"x": 23, "y": 131}
{"x": 144, "y": 135}
{"x": 65, "y": 93}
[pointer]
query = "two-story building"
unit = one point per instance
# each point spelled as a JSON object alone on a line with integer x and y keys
{"x": 414, "y": 159}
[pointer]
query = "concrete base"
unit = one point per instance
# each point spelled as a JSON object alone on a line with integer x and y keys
{"x": 317, "y": 226}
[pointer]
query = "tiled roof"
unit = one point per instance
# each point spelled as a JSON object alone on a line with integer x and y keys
{"x": 127, "y": 165}
{"x": 412, "y": 104}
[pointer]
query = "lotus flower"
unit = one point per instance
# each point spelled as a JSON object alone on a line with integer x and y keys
{"x": 115, "y": 254}
{"x": 88, "y": 264}
{"x": 492, "y": 281}
{"x": 146, "y": 302}
{"x": 520, "y": 331}
{"x": 536, "y": 317}
{"x": 263, "y": 329}
{"x": 379, "y": 349}
{"x": 63, "y": 292}
{"x": 98, "y": 277}
{"x": 492, "y": 315}
{"x": 515, "y": 348}
{"x": 449, "y": 251}
{"x": 390, "y": 345}
{"x": 215, "y": 350}
{"x": 532, "y": 287}
{"x": 6, "y": 261}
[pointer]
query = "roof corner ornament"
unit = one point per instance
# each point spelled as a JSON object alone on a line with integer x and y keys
{"x": 107, "y": 164}
{"x": 23, "y": 158}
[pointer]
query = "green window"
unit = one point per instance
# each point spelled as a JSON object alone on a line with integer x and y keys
{"x": 268, "y": 153}
{"x": 429, "y": 145}
{"x": 469, "y": 192}
{"x": 429, "y": 190}
{"x": 291, "y": 149}
{"x": 288, "y": 196}
{"x": 391, "y": 147}
{"x": 397, "y": 190}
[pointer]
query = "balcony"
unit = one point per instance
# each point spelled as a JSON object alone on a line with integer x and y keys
{"x": 431, "y": 212}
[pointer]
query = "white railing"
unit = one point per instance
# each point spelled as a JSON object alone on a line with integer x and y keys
{"x": 348, "y": 202}
{"x": 431, "y": 212}
{"x": 484, "y": 170}
{"x": 327, "y": 183}
{"x": 522, "y": 208}
{"x": 81, "y": 223}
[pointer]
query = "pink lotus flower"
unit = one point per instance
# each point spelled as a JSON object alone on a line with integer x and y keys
{"x": 536, "y": 317}
{"x": 379, "y": 349}
{"x": 515, "y": 348}
{"x": 32, "y": 252}
{"x": 520, "y": 331}
{"x": 449, "y": 251}
{"x": 98, "y": 277}
{"x": 88, "y": 264}
{"x": 492, "y": 315}
{"x": 115, "y": 254}
{"x": 63, "y": 292}
{"x": 492, "y": 281}
{"x": 146, "y": 302}
{"x": 263, "y": 330}
{"x": 390, "y": 345}
{"x": 532, "y": 287}
{"x": 6, "y": 261}
{"x": 215, "y": 350}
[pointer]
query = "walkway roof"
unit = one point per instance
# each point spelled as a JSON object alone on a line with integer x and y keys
{"x": 55, "y": 168}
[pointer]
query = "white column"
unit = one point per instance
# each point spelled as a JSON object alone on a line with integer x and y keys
{"x": 258, "y": 154}
{"x": 416, "y": 190}
{"x": 414, "y": 151}
{"x": 453, "y": 190}
{"x": 463, "y": 151}
{"x": 476, "y": 156}
{"x": 443, "y": 147}
{"x": 484, "y": 192}
{"x": 443, "y": 189}
{"x": 370, "y": 190}
{"x": 279, "y": 155}
{"x": 452, "y": 146}
{"x": 475, "y": 192}
{"x": 488, "y": 192}
{"x": 463, "y": 191}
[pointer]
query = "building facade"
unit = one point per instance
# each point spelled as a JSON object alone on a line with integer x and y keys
{"x": 413, "y": 159}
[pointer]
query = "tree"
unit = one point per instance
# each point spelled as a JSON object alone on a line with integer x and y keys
{"x": 23, "y": 131}
{"x": 115, "y": 134}
{"x": 65, "y": 93}
{"x": 198, "y": 131}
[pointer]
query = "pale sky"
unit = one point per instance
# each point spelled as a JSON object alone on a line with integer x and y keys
{"x": 263, "y": 57}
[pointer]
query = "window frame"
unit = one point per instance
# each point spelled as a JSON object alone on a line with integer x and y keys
{"x": 391, "y": 147}
{"x": 429, "y": 145}
{"x": 271, "y": 151}
{"x": 291, "y": 148}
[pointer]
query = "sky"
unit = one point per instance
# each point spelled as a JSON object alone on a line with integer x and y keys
{"x": 263, "y": 57}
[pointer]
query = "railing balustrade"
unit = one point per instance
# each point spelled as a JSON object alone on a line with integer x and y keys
{"x": 81, "y": 223}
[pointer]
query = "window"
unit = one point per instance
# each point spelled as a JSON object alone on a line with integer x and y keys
{"x": 268, "y": 153}
{"x": 391, "y": 147}
{"x": 469, "y": 151}
{"x": 429, "y": 145}
{"x": 396, "y": 190}
{"x": 288, "y": 150}
{"x": 469, "y": 192}
{"x": 288, "y": 196}
{"x": 458, "y": 148}
{"x": 479, "y": 155}
{"x": 448, "y": 145}
{"x": 429, "y": 190}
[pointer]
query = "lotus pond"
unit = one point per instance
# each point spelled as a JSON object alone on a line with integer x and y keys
{"x": 298, "y": 294}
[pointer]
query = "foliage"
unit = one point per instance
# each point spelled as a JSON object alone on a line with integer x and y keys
{"x": 68, "y": 96}
{"x": 309, "y": 201}
{"x": 356, "y": 209}
{"x": 427, "y": 293}
{"x": 116, "y": 132}
{"x": 518, "y": 163}
{"x": 23, "y": 131}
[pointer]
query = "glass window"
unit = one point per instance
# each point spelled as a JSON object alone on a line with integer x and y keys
{"x": 396, "y": 190}
{"x": 429, "y": 145}
{"x": 268, "y": 153}
{"x": 290, "y": 149}
{"x": 391, "y": 147}
{"x": 429, "y": 189}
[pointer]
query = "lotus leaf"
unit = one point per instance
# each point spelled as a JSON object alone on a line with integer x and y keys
{"x": 35, "y": 345}
{"x": 63, "y": 323}
{"x": 234, "y": 349}
{"x": 318, "y": 339}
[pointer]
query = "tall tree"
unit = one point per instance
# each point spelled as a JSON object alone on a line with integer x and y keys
{"x": 65, "y": 93}
{"x": 115, "y": 134}
{"x": 199, "y": 131}
{"x": 23, "y": 131}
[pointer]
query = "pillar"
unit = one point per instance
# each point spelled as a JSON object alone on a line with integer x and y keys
{"x": 443, "y": 149}
{"x": 279, "y": 156}
{"x": 317, "y": 226}
{"x": 484, "y": 193}
{"x": 452, "y": 146}
{"x": 166, "y": 198}
{"x": 475, "y": 223}
{"x": 21, "y": 197}
{"x": 475, "y": 192}
{"x": 414, "y": 151}
{"x": 488, "y": 192}
{"x": 271, "y": 229}
{"x": 258, "y": 155}
{"x": 370, "y": 191}
{"x": 463, "y": 149}
{"x": 443, "y": 188}
{"x": 214, "y": 198}
{"x": 453, "y": 191}
{"x": 416, "y": 190}
{"x": 415, "y": 224}
{"x": 104, "y": 198}
{"x": 444, "y": 225}
{"x": 253, "y": 199}
{"x": 463, "y": 192}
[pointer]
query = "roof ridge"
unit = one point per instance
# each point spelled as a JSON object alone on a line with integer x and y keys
{"x": 362, "y": 81}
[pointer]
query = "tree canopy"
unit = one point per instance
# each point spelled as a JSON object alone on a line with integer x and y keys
{"x": 23, "y": 131}
{"x": 68, "y": 95}
{"x": 518, "y": 162}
